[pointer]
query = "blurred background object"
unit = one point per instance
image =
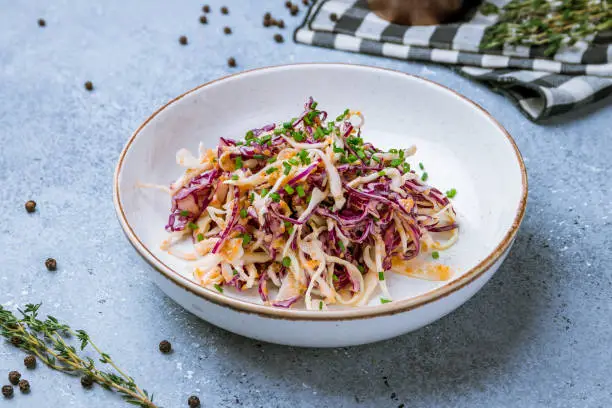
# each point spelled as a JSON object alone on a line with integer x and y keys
{"x": 421, "y": 12}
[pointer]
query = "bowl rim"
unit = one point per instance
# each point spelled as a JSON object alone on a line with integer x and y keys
{"x": 387, "y": 309}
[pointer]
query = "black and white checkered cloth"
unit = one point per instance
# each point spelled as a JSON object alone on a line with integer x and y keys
{"x": 540, "y": 86}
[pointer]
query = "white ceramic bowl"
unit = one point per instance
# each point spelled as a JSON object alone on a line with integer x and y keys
{"x": 461, "y": 145}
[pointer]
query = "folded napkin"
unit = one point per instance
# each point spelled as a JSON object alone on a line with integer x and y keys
{"x": 539, "y": 85}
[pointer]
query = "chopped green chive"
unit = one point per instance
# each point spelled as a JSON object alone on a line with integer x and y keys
{"x": 435, "y": 254}
{"x": 293, "y": 162}
{"x": 334, "y": 278}
{"x": 264, "y": 192}
{"x": 238, "y": 162}
{"x": 243, "y": 213}
{"x": 361, "y": 154}
{"x": 289, "y": 189}
{"x": 381, "y": 276}
{"x": 234, "y": 272}
{"x": 246, "y": 238}
{"x": 451, "y": 193}
{"x": 235, "y": 177}
{"x": 352, "y": 158}
{"x": 421, "y": 166}
{"x": 361, "y": 268}
{"x": 184, "y": 213}
{"x": 287, "y": 167}
{"x": 200, "y": 237}
{"x": 406, "y": 167}
{"x": 425, "y": 176}
{"x": 320, "y": 305}
{"x": 318, "y": 134}
{"x": 277, "y": 132}
{"x": 401, "y": 154}
{"x": 341, "y": 245}
{"x": 286, "y": 262}
{"x": 287, "y": 125}
{"x": 259, "y": 156}
{"x": 192, "y": 226}
{"x": 290, "y": 230}
{"x": 338, "y": 149}
{"x": 271, "y": 170}
{"x": 396, "y": 162}
{"x": 381, "y": 173}
{"x": 299, "y": 136}
{"x": 375, "y": 158}
{"x": 383, "y": 301}
{"x": 249, "y": 135}
{"x": 271, "y": 159}
{"x": 314, "y": 105}
{"x": 252, "y": 197}
{"x": 394, "y": 151}
{"x": 275, "y": 197}
{"x": 300, "y": 191}
{"x": 219, "y": 288}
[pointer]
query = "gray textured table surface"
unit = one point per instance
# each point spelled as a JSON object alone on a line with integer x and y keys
{"x": 538, "y": 334}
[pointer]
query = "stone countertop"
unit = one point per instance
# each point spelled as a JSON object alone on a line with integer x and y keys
{"x": 538, "y": 334}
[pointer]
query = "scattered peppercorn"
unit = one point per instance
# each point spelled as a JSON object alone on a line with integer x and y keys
{"x": 206, "y": 8}
{"x": 267, "y": 23}
{"x": 183, "y": 40}
{"x": 288, "y": 4}
{"x": 294, "y": 9}
{"x": 41, "y": 22}
{"x": 87, "y": 381}
{"x": 227, "y": 30}
{"x": 14, "y": 377}
{"x": 203, "y": 20}
{"x": 267, "y": 16}
{"x": 51, "y": 264}
{"x": 30, "y": 206}
{"x": 165, "y": 346}
{"x": 278, "y": 38}
{"x": 89, "y": 86}
{"x": 333, "y": 17}
{"x": 280, "y": 24}
{"x": 224, "y": 10}
{"x": 193, "y": 402}
{"x": 7, "y": 391}
{"x": 24, "y": 386}
{"x": 29, "y": 361}
{"x": 305, "y": 2}
{"x": 15, "y": 341}
{"x": 231, "y": 62}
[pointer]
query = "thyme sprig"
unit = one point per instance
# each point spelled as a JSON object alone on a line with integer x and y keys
{"x": 546, "y": 23}
{"x": 48, "y": 340}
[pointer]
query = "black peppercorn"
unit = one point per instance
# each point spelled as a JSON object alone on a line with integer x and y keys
{"x": 305, "y": 2}
{"x": 288, "y": 4}
{"x": 231, "y": 62}
{"x": 203, "y": 20}
{"x": 14, "y": 377}
{"x": 7, "y": 391}
{"x": 266, "y": 23}
{"x": 278, "y": 38}
{"x": 87, "y": 381}
{"x": 224, "y": 10}
{"x": 333, "y": 17}
{"x": 51, "y": 264}
{"x": 193, "y": 402}
{"x": 294, "y": 10}
{"x": 89, "y": 86}
{"x": 165, "y": 346}
{"x": 24, "y": 386}
{"x": 227, "y": 30}
{"x": 206, "y": 8}
{"x": 16, "y": 341}
{"x": 183, "y": 40}
{"x": 41, "y": 22}
{"x": 30, "y": 206}
{"x": 29, "y": 361}
{"x": 280, "y": 24}
{"x": 267, "y": 16}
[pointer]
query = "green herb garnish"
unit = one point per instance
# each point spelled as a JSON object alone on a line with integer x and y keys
{"x": 381, "y": 276}
{"x": 300, "y": 191}
{"x": 289, "y": 189}
{"x": 218, "y": 287}
{"x": 435, "y": 255}
{"x": 451, "y": 193}
{"x": 286, "y": 262}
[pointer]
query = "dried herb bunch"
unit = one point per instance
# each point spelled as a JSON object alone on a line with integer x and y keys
{"x": 47, "y": 339}
{"x": 546, "y": 23}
